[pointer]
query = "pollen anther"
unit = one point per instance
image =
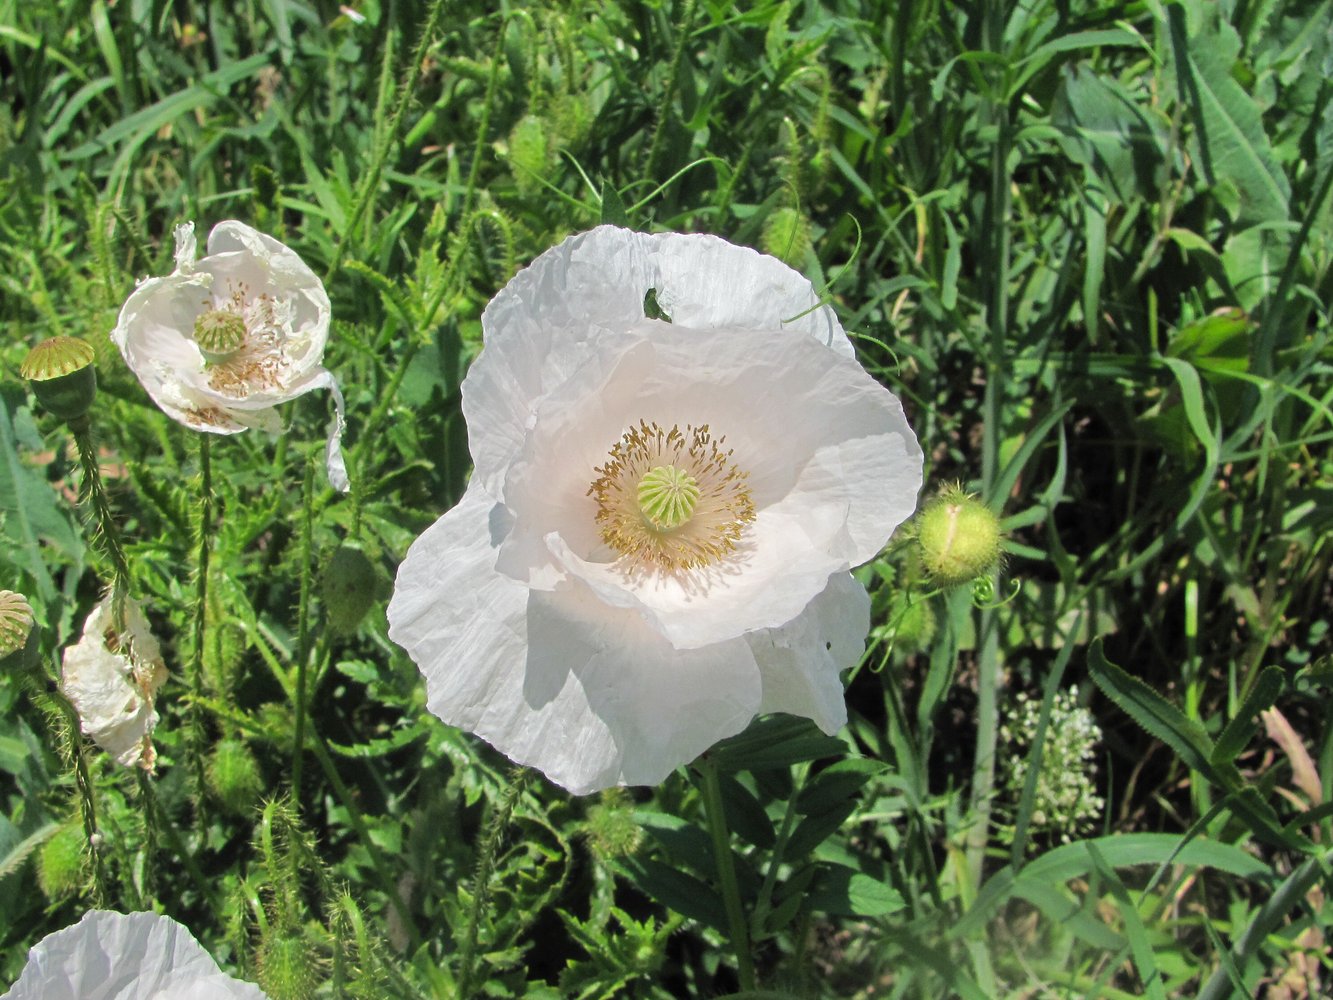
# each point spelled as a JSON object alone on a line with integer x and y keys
{"x": 671, "y": 500}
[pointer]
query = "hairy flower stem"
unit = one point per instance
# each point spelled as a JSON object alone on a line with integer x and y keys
{"x": 673, "y": 81}
{"x": 726, "y": 872}
{"x": 67, "y": 729}
{"x": 194, "y": 722}
{"x": 481, "y": 881}
{"x": 303, "y": 628}
{"x": 92, "y": 493}
{"x": 389, "y": 134}
{"x": 997, "y": 309}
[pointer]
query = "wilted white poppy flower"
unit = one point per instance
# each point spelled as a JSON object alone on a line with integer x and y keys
{"x": 125, "y": 956}
{"x": 221, "y": 341}
{"x": 655, "y": 543}
{"x": 111, "y": 677}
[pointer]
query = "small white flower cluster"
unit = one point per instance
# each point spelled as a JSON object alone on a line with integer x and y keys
{"x": 1066, "y": 803}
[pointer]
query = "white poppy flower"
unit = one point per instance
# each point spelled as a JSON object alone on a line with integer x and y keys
{"x": 111, "y": 677}
{"x": 655, "y": 543}
{"x": 221, "y": 341}
{"x": 125, "y": 956}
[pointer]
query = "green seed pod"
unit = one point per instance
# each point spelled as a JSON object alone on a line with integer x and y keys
{"x": 349, "y": 584}
{"x": 958, "y": 537}
{"x": 60, "y": 863}
{"x": 63, "y": 377}
{"x": 787, "y": 236}
{"x": 18, "y": 632}
{"x": 287, "y": 966}
{"x": 233, "y": 776}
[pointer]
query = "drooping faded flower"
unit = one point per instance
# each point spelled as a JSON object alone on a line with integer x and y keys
{"x": 111, "y": 677}
{"x": 222, "y": 340}
{"x": 655, "y": 543}
{"x": 125, "y": 956}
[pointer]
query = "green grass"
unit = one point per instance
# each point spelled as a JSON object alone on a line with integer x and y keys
{"x": 1087, "y": 244}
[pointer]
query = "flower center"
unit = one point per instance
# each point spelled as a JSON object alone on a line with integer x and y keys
{"x": 671, "y": 500}
{"x": 241, "y": 338}
{"x": 219, "y": 333}
{"x": 667, "y": 497}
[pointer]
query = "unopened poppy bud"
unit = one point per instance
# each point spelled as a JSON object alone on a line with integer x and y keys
{"x": 787, "y": 236}
{"x": 287, "y": 967}
{"x": 18, "y": 636}
{"x": 60, "y": 869}
{"x": 62, "y": 375}
{"x": 233, "y": 775}
{"x": 349, "y": 586}
{"x": 959, "y": 537}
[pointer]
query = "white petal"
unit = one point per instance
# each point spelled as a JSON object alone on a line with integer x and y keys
{"x": 559, "y": 681}
{"x": 542, "y": 325}
{"x": 117, "y": 956}
{"x": 112, "y": 689}
{"x": 155, "y": 328}
{"x": 800, "y": 661}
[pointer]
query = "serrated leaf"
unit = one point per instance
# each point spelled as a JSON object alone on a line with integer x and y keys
{"x": 1157, "y": 716}
{"x": 1241, "y": 729}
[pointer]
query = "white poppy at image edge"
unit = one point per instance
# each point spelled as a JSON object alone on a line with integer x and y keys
{"x": 655, "y": 543}
{"x": 125, "y": 956}
{"x": 222, "y": 340}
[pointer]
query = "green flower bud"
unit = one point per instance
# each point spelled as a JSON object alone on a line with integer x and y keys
{"x": 287, "y": 966}
{"x": 63, "y": 377}
{"x": 529, "y": 153}
{"x": 18, "y": 634}
{"x": 914, "y": 626}
{"x": 60, "y": 871}
{"x": 787, "y": 236}
{"x": 958, "y": 537}
{"x": 349, "y": 585}
{"x": 233, "y": 776}
{"x": 611, "y": 829}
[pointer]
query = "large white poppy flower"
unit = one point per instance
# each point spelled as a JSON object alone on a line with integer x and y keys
{"x": 655, "y": 543}
{"x": 111, "y": 677}
{"x": 125, "y": 956}
{"x": 221, "y": 341}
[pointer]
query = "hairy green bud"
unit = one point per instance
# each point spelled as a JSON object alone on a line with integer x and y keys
{"x": 787, "y": 236}
{"x": 233, "y": 775}
{"x": 60, "y": 863}
{"x": 287, "y": 966}
{"x": 349, "y": 585}
{"x": 958, "y": 537}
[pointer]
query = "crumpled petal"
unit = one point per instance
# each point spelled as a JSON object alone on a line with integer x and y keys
{"x": 560, "y": 681}
{"x": 119, "y": 956}
{"x": 542, "y": 325}
{"x": 286, "y": 311}
{"x": 111, "y": 677}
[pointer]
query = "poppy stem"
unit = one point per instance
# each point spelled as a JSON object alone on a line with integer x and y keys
{"x": 481, "y": 881}
{"x": 203, "y": 532}
{"x": 726, "y": 871}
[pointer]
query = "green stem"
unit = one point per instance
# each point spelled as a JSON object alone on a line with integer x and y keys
{"x": 389, "y": 136}
{"x": 726, "y": 872}
{"x": 303, "y": 630}
{"x": 93, "y": 494}
{"x": 195, "y": 678}
{"x": 988, "y": 662}
{"x": 673, "y": 80}
{"x": 481, "y": 881}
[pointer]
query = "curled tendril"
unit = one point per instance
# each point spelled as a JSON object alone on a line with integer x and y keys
{"x": 983, "y": 593}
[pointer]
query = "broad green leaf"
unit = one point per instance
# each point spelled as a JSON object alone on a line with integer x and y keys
{"x": 776, "y": 741}
{"x": 847, "y": 892}
{"x": 1229, "y": 141}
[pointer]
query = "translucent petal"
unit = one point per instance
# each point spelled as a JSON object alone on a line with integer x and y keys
{"x": 558, "y": 680}
{"x": 118, "y": 956}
